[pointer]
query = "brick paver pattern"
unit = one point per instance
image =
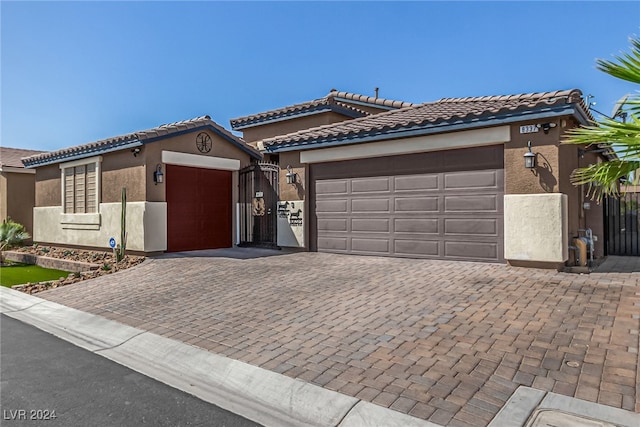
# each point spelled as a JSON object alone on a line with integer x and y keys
{"x": 448, "y": 342}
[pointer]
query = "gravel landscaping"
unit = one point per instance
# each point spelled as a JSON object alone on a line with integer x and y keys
{"x": 105, "y": 259}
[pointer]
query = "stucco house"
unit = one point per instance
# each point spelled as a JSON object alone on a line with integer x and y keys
{"x": 442, "y": 180}
{"x": 17, "y": 187}
{"x": 181, "y": 180}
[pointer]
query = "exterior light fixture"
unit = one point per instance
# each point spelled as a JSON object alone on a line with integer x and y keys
{"x": 135, "y": 151}
{"x": 547, "y": 126}
{"x": 158, "y": 176}
{"x": 291, "y": 175}
{"x": 529, "y": 158}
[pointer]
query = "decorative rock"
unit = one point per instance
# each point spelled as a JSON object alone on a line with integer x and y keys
{"x": 93, "y": 257}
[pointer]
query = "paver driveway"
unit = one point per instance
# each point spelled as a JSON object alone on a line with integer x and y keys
{"x": 443, "y": 341}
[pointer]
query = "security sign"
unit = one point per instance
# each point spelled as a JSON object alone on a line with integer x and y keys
{"x": 112, "y": 242}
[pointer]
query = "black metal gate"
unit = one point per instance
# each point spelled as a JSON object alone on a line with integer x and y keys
{"x": 621, "y": 224}
{"x": 258, "y": 201}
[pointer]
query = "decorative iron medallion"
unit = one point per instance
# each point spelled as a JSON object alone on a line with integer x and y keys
{"x": 203, "y": 142}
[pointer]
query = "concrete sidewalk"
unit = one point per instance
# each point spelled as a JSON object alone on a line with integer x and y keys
{"x": 447, "y": 342}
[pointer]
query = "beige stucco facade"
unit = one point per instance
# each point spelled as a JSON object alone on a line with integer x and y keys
{"x": 536, "y": 228}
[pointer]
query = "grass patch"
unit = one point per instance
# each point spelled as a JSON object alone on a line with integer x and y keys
{"x": 17, "y": 274}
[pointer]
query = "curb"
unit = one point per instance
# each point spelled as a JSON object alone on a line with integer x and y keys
{"x": 527, "y": 404}
{"x": 260, "y": 395}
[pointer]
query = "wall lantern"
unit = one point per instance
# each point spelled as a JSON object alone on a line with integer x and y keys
{"x": 291, "y": 175}
{"x": 529, "y": 158}
{"x": 158, "y": 176}
{"x": 548, "y": 126}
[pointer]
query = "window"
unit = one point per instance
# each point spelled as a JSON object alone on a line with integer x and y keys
{"x": 80, "y": 186}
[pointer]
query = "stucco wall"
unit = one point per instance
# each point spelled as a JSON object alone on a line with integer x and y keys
{"x": 122, "y": 169}
{"x": 20, "y": 198}
{"x": 545, "y": 177}
{"x": 535, "y": 227}
{"x": 3, "y": 196}
{"x": 292, "y": 125}
{"x": 48, "y": 186}
{"x": 146, "y": 227}
{"x": 292, "y": 191}
{"x": 152, "y": 155}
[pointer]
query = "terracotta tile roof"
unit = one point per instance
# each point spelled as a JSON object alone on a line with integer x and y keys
{"x": 11, "y": 157}
{"x": 442, "y": 112}
{"x": 137, "y": 139}
{"x": 336, "y": 101}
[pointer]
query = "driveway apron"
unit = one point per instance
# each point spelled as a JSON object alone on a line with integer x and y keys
{"x": 448, "y": 342}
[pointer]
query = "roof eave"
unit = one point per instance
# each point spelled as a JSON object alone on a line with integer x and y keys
{"x": 14, "y": 169}
{"x": 434, "y": 128}
{"x": 294, "y": 115}
{"x": 81, "y": 154}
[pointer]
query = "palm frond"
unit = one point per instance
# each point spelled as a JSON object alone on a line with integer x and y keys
{"x": 623, "y": 137}
{"x": 603, "y": 178}
{"x": 625, "y": 66}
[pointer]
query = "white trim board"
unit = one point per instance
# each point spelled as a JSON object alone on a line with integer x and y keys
{"x": 196, "y": 161}
{"x": 17, "y": 170}
{"x": 418, "y": 144}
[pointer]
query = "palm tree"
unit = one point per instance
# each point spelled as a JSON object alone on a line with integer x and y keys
{"x": 608, "y": 133}
{"x": 11, "y": 234}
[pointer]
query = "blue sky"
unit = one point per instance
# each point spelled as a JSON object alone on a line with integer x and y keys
{"x": 76, "y": 72}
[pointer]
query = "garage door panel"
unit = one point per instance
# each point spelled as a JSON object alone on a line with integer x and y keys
{"x": 416, "y": 182}
{"x": 370, "y": 224}
{"x": 416, "y": 225}
{"x": 474, "y": 179}
{"x": 332, "y": 224}
{"x": 479, "y": 203}
{"x": 370, "y": 185}
{"x": 370, "y": 245}
{"x": 332, "y": 243}
{"x": 332, "y": 187}
{"x": 335, "y": 206}
{"x": 416, "y": 204}
{"x": 471, "y": 226}
{"x": 411, "y": 247}
{"x": 471, "y": 250}
{"x": 369, "y": 205}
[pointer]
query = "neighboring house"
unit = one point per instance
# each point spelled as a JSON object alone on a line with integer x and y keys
{"x": 441, "y": 180}
{"x": 17, "y": 193}
{"x": 181, "y": 180}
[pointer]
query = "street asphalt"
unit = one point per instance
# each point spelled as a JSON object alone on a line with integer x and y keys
{"x": 48, "y": 381}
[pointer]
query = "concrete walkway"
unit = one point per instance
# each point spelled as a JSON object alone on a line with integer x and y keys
{"x": 619, "y": 264}
{"x": 447, "y": 342}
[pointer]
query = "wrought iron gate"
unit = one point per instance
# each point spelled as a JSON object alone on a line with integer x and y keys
{"x": 621, "y": 224}
{"x": 258, "y": 202}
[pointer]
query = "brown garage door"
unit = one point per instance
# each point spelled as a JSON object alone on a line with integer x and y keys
{"x": 198, "y": 208}
{"x": 444, "y": 205}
